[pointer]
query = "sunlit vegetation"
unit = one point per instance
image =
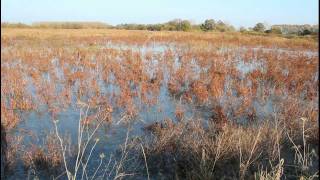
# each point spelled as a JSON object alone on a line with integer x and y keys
{"x": 209, "y": 25}
{"x": 241, "y": 106}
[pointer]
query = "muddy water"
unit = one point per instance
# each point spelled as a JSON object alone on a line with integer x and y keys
{"x": 36, "y": 126}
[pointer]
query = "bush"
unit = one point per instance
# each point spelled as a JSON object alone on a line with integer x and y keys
{"x": 185, "y": 25}
{"x": 154, "y": 27}
{"x": 208, "y": 25}
{"x": 243, "y": 29}
{"x": 14, "y": 25}
{"x": 260, "y": 27}
{"x": 223, "y": 27}
{"x": 276, "y": 30}
{"x": 306, "y": 32}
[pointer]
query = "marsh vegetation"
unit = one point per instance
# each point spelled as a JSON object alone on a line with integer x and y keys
{"x": 119, "y": 104}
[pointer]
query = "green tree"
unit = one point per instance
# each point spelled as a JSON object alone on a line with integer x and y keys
{"x": 154, "y": 27}
{"x": 306, "y": 32}
{"x": 185, "y": 25}
{"x": 141, "y": 27}
{"x": 223, "y": 27}
{"x": 208, "y": 25}
{"x": 169, "y": 27}
{"x": 174, "y": 25}
{"x": 178, "y": 25}
{"x": 259, "y": 27}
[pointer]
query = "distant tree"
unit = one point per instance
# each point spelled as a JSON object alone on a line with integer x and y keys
{"x": 178, "y": 25}
{"x": 223, "y": 27}
{"x": 196, "y": 27}
{"x": 306, "y": 32}
{"x": 185, "y": 25}
{"x": 174, "y": 22}
{"x": 169, "y": 27}
{"x": 14, "y": 25}
{"x": 174, "y": 25}
{"x": 220, "y": 26}
{"x": 141, "y": 27}
{"x": 154, "y": 27}
{"x": 259, "y": 27}
{"x": 315, "y": 29}
{"x": 276, "y": 30}
{"x": 292, "y": 29}
{"x": 243, "y": 29}
{"x": 208, "y": 25}
{"x": 268, "y": 31}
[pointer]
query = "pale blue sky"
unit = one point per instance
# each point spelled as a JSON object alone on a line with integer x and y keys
{"x": 236, "y": 12}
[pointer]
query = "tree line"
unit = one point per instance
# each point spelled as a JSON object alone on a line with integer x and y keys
{"x": 178, "y": 25}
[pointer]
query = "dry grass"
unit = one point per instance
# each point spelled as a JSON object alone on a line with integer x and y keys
{"x": 190, "y": 150}
{"x": 54, "y": 68}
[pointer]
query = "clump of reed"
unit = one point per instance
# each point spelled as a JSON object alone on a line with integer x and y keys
{"x": 192, "y": 150}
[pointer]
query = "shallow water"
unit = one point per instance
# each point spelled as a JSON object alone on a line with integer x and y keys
{"x": 37, "y": 125}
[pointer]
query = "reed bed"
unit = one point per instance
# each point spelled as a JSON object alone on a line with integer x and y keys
{"x": 257, "y": 98}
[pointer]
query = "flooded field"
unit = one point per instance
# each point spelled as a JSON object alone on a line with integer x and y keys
{"x": 113, "y": 104}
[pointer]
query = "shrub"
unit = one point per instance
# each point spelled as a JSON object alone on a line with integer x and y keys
{"x": 208, "y": 25}
{"x": 259, "y": 27}
{"x": 243, "y": 29}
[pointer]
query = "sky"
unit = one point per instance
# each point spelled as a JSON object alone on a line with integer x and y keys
{"x": 236, "y": 12}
